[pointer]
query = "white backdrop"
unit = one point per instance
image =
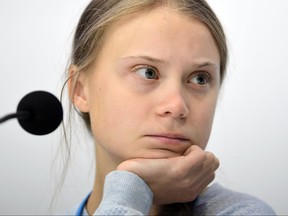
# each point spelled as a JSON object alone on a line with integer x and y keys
{"x": 250, "y": 129}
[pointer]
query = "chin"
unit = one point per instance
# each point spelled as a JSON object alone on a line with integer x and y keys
{"x": 160, "y": 154}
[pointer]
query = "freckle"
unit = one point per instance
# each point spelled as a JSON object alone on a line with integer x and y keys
{"x": 99, "y": 89}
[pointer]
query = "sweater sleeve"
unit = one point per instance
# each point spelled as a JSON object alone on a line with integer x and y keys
{"x": 125, "y": 194}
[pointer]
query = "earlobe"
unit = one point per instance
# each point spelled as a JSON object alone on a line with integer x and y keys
{"x": 77, "y": 90}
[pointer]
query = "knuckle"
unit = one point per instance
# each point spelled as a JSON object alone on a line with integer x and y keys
{"x": 212, "y": 177}
{"x": 217, "y": 163}
{"x": 200, "y": 155}
{"x": 210, "y": 155}
{"x": 194, "y": 148}
{"x": 188, "y": 183}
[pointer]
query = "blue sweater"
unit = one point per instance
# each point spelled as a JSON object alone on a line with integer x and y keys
{"x": 127, "y": 194}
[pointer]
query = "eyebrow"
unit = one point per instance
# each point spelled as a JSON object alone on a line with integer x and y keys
{"x": 206, "y": 64}
{"x": 148, "y": 58}
{"x": 160, "y": 61}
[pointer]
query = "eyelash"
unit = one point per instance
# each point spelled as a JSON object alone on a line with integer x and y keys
{"x": 146, "y": 67}
{"x": 208, "y": 77}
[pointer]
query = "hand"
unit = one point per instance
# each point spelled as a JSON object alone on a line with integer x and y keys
{"x": 178, "y": 179}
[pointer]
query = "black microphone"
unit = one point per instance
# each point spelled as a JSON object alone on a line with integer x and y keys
{"x": 38, "y": 113}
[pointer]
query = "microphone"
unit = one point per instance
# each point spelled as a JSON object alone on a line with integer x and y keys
{"x": 38, "y": 113}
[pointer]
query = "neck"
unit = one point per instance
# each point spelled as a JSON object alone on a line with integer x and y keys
{"x": 103, "y": 166}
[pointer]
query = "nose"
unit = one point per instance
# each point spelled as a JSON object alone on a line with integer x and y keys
{"x": 173, "y": 104}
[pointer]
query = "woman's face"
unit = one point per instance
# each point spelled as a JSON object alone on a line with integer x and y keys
{"x": 153, "y": 88}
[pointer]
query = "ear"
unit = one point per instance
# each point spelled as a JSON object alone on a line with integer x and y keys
{"x": 78, "y": 89}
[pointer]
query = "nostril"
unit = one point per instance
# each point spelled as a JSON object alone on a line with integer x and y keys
{"x": 174, "y": 106}
{"x": 175, "y": 114}
{"x": 167, "y": 113}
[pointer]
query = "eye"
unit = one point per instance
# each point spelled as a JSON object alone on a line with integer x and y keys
{"x": 201, "y": 79}
{"x": 146, "y": 72}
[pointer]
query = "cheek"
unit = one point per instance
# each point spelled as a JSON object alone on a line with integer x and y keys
{"x": 114, "y": 115}
{"x": 106, "y": 116}
{"x": 106, "y": 112}
{"x": 204, "y": 122}
{"x": 115, "y": 109}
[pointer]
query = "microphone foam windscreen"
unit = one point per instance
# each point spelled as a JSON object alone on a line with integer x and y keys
{"x": 45, "y": 112}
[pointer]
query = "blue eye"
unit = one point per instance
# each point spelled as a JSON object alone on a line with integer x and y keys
{"x": 146, "y": 72}
{"x": 201, "y": 79}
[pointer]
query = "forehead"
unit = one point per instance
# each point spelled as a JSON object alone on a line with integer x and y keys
{"x": 161, "y": 29}
{"x": 155, "y": 16}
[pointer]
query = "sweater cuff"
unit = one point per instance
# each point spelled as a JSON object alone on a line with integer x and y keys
{"x": 128, "y": 190}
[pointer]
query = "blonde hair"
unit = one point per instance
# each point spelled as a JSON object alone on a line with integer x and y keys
{"x": 100, "y": 14}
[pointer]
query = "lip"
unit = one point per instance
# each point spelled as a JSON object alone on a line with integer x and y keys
{"x": 169, "y": 138}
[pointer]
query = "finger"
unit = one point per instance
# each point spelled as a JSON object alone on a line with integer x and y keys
{"x": 192, "y": 192}
{"x": 204, "y": 184}
{"x": 210, "y": 165}
{"x": 211, "y": 162}
{"x": 192, "y": 148}
{"x": 197, "y": 175}
{"x": 194, "y": 157}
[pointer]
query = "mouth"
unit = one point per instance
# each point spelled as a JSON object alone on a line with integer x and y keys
{"x": 169, "y": 138}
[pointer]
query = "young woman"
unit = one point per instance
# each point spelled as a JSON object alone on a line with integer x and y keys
{"x": 145, "y": 76}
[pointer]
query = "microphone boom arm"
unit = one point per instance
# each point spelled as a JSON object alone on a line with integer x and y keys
{"x": 19, "y": 114}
